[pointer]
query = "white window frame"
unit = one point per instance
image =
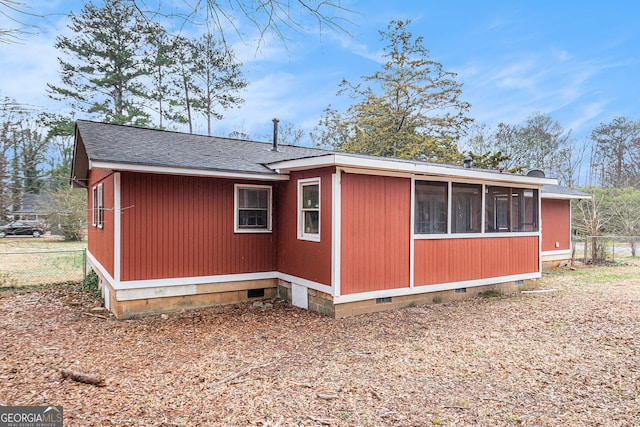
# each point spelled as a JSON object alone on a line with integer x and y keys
{"x": 236, "y": 208}
{"x": 94, "y": 206}
{"x": 302, "y": 235}
{"x": 483, "y": 231}
{"x": 100, "y": 208}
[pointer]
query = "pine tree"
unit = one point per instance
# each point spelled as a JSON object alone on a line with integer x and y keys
{"x": 409, "y": 109}
{"x": 218, "y": 79}
{"x": 106, "y": 66}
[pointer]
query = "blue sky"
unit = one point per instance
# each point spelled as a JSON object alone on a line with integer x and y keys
{"x": 576, "y": 61}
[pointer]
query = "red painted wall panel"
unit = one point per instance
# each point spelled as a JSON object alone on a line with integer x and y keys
{"x": 100, "y": 240}
{"x": 455, "y": 260}
{"x": 556, "y": 224}
{"x": 376, "y": 227}
{"x": 175, "y": 226}
{"x": 302, "y": 258}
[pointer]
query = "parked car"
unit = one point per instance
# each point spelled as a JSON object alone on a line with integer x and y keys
{"x": 22, "y": 228}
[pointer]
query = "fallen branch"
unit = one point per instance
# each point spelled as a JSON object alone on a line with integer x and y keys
{"x": 245, "y": 371}
{"x": 82, "y": 378}
{"x": 301, "y": 384}
{"x": 326, "y": 396}
{"x": 455, "y": 407}
{"x": 324, "y": 421}
{"x": 95, "y": 315}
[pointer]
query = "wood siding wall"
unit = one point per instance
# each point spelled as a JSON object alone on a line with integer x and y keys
{"x": 302, "y": 258}
{"x": 556, "y": 224}
{"x": 454, "y": 260}
{"x": 101, "y": 240}
{"x": 376, "y": 229}
{"x": 178, "y": 226}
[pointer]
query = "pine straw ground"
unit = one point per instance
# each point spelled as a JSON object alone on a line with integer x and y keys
{"x": 569, "y": 357}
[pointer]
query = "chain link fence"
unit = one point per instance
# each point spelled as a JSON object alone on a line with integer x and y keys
{"x": 42, "y": 267}
{"x": 597, "y": 249}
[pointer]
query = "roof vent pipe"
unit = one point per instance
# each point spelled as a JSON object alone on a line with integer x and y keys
{"x": 468, "y": 162}
{"x": 275, "y": 135}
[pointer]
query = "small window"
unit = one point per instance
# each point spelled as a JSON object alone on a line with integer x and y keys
{"x": 94, "y": 206}
{"x": 431, "y": 207}
{"x": 309, "y": 209}
{"x": 97, "y": 206}
{"x": 100, "y": 220}
{"x": 253, "y": 208}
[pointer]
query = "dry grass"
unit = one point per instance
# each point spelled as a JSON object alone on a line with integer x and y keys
{"x": 569, "y": 357}
{"x": 27, "y": 261}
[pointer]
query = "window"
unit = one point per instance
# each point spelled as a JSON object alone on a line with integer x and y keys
{"x": 253, "y": 208}
{"x": 511, "y": 209}
{"x": 524, "y": 212}
{"x": 94, "y": 206}
{"x": 431, "y": 207}
{"x": 466, "y": 208}
{"x": 97, "y": 208}
{"x": 309, "y": 209}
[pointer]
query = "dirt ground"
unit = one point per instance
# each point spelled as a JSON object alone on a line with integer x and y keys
{"x": 569, "y": 357}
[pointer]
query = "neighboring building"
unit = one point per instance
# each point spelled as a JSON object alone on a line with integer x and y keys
{"x": 557, "y": 245}
{"x": 34, "y": 206}
{"x": 181, "y": 221}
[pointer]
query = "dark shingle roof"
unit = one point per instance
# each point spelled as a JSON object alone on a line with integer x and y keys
{"x": 106, "y": 142}
{"x": 563, "y": 192}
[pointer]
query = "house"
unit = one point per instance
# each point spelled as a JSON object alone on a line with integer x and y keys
{"x": 557, "y": 245}
{"x": 33, "y": 206}
{"x": 182, "y": 221}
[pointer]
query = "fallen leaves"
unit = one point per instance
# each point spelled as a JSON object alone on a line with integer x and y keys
{"x": 569, "y": 357}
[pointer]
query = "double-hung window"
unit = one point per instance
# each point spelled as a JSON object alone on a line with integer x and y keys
{"x": 309, "y": 209}
{"x": 252, "y": 208}
{"x": 97, "y": 206}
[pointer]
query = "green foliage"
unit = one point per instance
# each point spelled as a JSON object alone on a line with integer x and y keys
{"x": 119, "y": 66}
{"x": 494, "y": 161}
{"x": 90, "y": 285}
{"x": 610, "y": 211}
{"x": 106, "y": 63}
{"x": 68, "y": 211}
{"x": 409, "y": 109}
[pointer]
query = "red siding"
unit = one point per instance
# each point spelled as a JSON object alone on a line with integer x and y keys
{"x": 100, "y": 240}
{"x": 376, "y": 227}
{"x": 302, "y": 258}
{"x": 454, "y": 260}
{"x": 174, "y": 226}
{"x": 556, "y": 224}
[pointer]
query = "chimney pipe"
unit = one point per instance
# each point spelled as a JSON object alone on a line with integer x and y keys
{"x": 275, "y": 135}
{"x": 468, "y": 162}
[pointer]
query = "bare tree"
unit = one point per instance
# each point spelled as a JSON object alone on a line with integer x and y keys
{"x": 15, "y": 11}
{"x": 265, "y": 16}
{"x": 616, "y": 154}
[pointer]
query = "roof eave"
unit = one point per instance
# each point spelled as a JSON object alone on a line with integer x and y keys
{"x": 559, "y": 196}
{"x": 395, "y": 166}
{"x": 136, "y": 167}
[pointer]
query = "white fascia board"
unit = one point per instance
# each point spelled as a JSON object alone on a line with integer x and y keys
{"x": 425, "y": 289}
{"x": 560, "y": 255}
{"x": 184, "y": 171}
{"x": 197, "y": 280}
{"x": 405, "y": 167}
{"x": 558, "y": 196}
